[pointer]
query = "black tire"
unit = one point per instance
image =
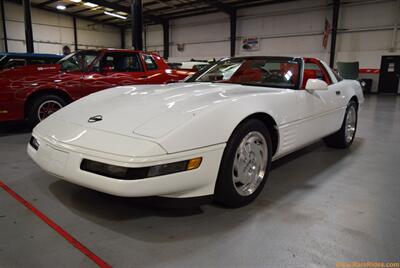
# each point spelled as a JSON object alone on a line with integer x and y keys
{"x": 225, "y": 189}
{"x": 38, "y": 102}
{"x": 338, "y": 139}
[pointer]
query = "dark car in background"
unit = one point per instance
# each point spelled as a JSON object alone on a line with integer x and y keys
{"x": 12, "y": 60}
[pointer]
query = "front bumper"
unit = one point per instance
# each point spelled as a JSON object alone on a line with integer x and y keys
{"x": 64, "y": 161}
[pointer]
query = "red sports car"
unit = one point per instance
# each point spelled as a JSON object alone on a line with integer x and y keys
{"x": 35, "y": 92}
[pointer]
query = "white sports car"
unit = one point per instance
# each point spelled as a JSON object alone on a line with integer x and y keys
{"x": 213, "y": 135}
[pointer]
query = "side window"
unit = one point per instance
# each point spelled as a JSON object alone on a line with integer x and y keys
{"x": 37, "y": 61}
{"x": 121, "y": 63}
{"x": 313, "y": 70}
{"x": 150, "y": 62}
{"x": 316, "y": 70}
{"x": 12, "y": 63}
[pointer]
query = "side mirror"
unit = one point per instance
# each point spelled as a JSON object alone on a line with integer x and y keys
{"x": 316, "y": 84}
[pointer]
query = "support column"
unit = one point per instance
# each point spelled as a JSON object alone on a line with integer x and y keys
{"x": 122, "y": 37}
{"x": 233, "y": 19}
{"x": 137, "y": 24}
{"x": 28, "y": 26}
{"x": 166, "y": 39}
{"x": 75, "y": 34}
{"x": 4, "y": 26}
{"x": 335, "y": 20}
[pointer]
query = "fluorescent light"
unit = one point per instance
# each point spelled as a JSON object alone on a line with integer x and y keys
{"x": 61, "y": 7}
{"x": 88, "y": 4}
{"x": 115, "y": 15}
{"x": 76, "y": 1}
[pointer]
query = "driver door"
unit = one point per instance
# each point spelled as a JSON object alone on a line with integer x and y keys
{"x": 319, "y": 115}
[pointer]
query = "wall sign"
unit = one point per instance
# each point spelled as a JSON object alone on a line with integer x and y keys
{"x": 250, "y": 44}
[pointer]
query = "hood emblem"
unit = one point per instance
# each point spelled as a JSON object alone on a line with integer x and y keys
{"x": 95, "y": 118}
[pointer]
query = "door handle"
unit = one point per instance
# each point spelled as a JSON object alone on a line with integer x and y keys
{"x": 338, "y": 92}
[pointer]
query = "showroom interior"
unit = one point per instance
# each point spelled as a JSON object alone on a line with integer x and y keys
{"x": 320, "y": 206}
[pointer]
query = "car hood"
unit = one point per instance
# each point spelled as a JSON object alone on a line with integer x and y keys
{"x": 150, "y": 110}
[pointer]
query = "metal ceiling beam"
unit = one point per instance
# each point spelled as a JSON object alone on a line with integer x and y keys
{"x": 81, "y": 10}
{"x": 96, "y": 15}
{"x": 45, "y": 3}
{"x": 219, "y": 5}
{"x": 174, "y": 15}
{"x": 177, "y": 6}
{"x": 151, "y": 3}
{"x": 257, "y": 3}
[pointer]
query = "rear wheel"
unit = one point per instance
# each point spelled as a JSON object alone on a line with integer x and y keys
{"x": 344, "y": 137}
{"x": 245, "y": 165}
{"x": 43, "y": 106}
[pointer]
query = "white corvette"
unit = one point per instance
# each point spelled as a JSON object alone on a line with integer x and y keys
{"x": 216, "y": 134}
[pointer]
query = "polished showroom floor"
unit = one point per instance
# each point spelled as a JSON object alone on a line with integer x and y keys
{"x": 320, "y": 206}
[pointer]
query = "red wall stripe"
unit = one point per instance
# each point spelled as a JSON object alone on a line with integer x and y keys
{"x": 96, "y": 259}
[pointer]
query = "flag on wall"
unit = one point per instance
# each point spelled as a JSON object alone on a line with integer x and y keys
{"x": 326, "y": 34}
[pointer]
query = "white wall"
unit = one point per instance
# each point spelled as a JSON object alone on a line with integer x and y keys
{"x": 52, "y": 31}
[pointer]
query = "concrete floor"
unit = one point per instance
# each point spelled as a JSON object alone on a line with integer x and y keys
{"x": 320, "y": 206}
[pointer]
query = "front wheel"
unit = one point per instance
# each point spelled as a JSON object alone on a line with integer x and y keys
{"x": 245, "y": 165}
{"x": 344, "y": 137}
{"x": 43, "y": 106}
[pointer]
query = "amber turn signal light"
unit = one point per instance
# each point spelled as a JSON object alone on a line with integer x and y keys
{"x": 194, "y": 163}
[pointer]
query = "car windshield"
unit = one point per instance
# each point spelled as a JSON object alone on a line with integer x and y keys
{"x": 256, "y": 71}
{"x": 78, "y": 61}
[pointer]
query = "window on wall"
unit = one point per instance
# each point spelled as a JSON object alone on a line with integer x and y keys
{"x": 121, "y": 63}
{"x": 150, "y": 62}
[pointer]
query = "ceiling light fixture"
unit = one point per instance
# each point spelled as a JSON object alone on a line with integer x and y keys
{"x": 88, "y": 4}
{"x": 76, "y": 1}
{"x": 115, "y": 15}
{"x": 61, "y": 7}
